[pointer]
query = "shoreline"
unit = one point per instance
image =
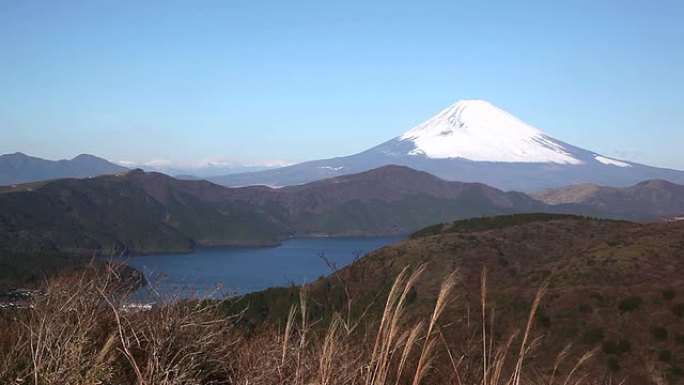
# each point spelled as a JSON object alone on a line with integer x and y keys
{"x": 256, "y": 245}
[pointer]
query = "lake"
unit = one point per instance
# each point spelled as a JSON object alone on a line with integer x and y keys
{"x": 217, "y": 272}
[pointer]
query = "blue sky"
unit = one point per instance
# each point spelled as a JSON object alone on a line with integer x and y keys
{"x": 300, "y": 80}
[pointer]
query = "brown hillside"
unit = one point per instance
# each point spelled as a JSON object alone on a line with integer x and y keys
{"x": 648, "y": 200}
{"x": 614, "y": 286}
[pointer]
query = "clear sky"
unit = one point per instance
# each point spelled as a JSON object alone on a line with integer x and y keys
{"x": 300, "y": 80}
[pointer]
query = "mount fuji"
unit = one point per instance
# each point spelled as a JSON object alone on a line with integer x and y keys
{"x": 473, "y": 141}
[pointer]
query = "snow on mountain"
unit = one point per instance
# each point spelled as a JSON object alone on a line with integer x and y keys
{"x": 611, "y": 161}
{"x": 476, "y": 130}
{"x": 204, "y": 167}
{"x": 473, "y": 141}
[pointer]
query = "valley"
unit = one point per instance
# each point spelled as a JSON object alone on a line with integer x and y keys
{"x": 66, "y": 221}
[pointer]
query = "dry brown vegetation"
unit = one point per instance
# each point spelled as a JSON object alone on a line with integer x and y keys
{"x": 615, "y": 288}
{"x": 80, "y": 331}
{"x": 560, "y": 301}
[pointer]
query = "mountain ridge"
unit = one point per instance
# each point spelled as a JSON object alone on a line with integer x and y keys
{"x": 649, "y": 199}
{"x": 146, "y": 212}
{"x": 20, "y": 168}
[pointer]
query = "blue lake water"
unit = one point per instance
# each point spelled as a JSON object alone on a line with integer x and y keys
{"x": 218, "y": 272}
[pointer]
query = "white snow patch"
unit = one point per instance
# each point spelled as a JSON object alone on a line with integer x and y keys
{"x": 611, "y": 162}
{"x": 331, "y": 168}
{"x": 478, "y": 131}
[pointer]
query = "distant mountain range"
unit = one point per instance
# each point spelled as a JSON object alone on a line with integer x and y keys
{"x": 473, "y": 141}
{"x": 20, "y": 168}
{"x": 470, "y": 141}
{"x": 654, "y": 199}
{"x": 209, "y": 168}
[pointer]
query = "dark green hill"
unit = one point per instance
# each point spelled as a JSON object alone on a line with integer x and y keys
{"x": 47, "y": 226}
{"x": 123, "y": 213}
{"x": 140, "y": 212}
{"x": 392, "y": 200}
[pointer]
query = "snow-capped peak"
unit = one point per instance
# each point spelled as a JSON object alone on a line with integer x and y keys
{"x": 479, "y": 131}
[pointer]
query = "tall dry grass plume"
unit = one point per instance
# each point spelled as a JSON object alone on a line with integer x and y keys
{"x": 81, "y": 330}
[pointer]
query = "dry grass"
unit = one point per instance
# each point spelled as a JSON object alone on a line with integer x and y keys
{"x": 79, "y": 332}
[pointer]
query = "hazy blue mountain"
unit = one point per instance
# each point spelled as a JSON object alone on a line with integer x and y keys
{"x": 209, "y": 169}
{"x": 20, "y": 168}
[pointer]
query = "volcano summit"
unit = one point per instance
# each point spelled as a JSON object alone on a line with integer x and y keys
{"x": 473, "y": 141}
